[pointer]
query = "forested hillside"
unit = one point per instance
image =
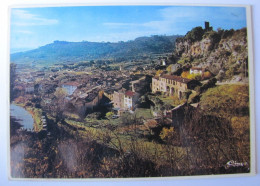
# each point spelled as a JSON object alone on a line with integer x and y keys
{"x": 62, "y": 51}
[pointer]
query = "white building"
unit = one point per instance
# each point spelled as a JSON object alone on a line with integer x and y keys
{"x": 70, "y": 87}
{"x": 196, "y": 70}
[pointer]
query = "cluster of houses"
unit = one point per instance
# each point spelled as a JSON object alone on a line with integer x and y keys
{"x": 122, "y": 88}
{"x": 126, "y": 99}
{"x": 170, "y": 85}
{"x": 86, "y": 91}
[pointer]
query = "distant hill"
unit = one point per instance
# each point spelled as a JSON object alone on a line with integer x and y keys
{"x": 67, "y": 52}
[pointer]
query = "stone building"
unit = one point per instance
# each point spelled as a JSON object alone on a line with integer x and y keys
{"x": 86, "y": 103}
{"x": 130, "y": 100}
{"x": 118, "y": 98}
{"x": 70, "y": 87}
{"x": 207, "y": 27}
{"x": 125, "y": 100}
{"x": 172, "y": 85}
{"x": 29, "y": 88}
{"x": 197, "y": 70}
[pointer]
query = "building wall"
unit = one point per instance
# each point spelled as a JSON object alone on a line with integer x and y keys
{"x": 69, "y": 88}
{"x": 197, "y": 70}
{"x": 169, "y": 86}
{"x": 128, "y": 102}
{"x": 118, "y": 99}
{"x": 29, "y": 89}
{"x": 163, "y": 84}
{"x": 155, "y": 85}
{"x": 109, "y": 96}
{"x": 83, "y": 107}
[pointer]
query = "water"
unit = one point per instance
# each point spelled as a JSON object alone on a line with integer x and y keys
{"x": 22, "y": 116}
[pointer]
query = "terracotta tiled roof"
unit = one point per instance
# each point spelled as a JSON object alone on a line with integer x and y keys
{"x": 197, "y": 68}
{"x": 176, "y": 78}
{"x": 72, "y": 83}
{"x": 129, "y": 93}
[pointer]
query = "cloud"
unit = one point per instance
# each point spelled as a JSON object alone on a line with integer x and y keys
{"x": 168, "y": 22}
{"x": 24, "y": 18}
{"x": 180, "y": 19}
{"x": 203, "y": 13}
{"x": 146, "y": 27}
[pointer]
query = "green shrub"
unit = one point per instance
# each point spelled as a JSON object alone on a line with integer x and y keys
{"x": 226, "y": 100}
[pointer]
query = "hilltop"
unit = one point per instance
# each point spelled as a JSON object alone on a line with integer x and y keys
{"x": 223, "y": 52}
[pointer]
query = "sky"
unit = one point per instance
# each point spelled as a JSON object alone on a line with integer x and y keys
{"x": 34, "y": 27}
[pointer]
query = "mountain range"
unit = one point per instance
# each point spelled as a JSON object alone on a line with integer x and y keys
{"x": 68, "y": 52}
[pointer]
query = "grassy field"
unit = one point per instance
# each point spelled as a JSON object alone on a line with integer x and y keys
{"x": 171, "y": 100}
{"x": 143, "y": 113}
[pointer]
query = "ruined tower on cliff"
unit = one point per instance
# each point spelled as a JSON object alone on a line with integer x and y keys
{"x": 207, "y": 27}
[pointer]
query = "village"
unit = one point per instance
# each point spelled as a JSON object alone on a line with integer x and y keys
{"x": 78, "y": 92}
{"x": 162, "y": 114}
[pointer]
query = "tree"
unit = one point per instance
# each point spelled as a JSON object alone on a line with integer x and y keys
{"x": 226, "y": 100}
{"x": 209, "y": 142}
{"x": 210, "y": 84}
{"x": 185, "y": 74}
{"x": 93, "y": 116}
{"x": 195, "y": 34}
{"x": 215, "y": 37}
{"x": 168, "y": 134}
{"x": 206, "y": 75}
{"x": 109, "y": 115}
{"x": 158, "y": 72}
{"x": 59, "y": 103}
{"x": 194, "y": 76}
{"x": 169, "y": 68}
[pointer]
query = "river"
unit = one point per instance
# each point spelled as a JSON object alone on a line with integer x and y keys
{"x": 22, "y": 116}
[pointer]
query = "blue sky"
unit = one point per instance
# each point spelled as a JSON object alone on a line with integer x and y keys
{"x": 35, "y": 27}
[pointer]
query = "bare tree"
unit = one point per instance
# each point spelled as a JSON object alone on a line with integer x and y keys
{"x": 59, "y": 103}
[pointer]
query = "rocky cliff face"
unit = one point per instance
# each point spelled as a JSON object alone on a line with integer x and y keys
{"x": 186, "y": 48}
{"x": 224, "y": 53}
